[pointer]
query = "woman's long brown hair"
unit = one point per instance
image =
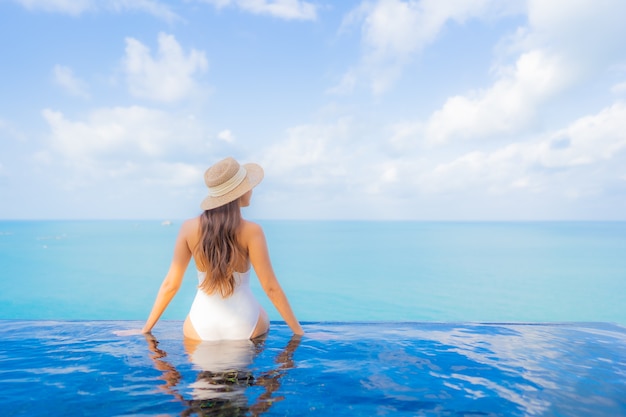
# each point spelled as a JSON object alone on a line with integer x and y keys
{"x": 218, "y": 251}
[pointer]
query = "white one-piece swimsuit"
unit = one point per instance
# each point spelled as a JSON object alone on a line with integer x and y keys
{"x": 230, "y": 318}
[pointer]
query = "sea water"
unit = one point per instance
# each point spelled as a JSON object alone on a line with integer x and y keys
{"x": 331, "y": 270}
{"x": 401, "y": 318}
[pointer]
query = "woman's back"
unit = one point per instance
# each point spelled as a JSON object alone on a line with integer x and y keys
{"x": 193, "y": 234}
{"x": 233, "y": 317}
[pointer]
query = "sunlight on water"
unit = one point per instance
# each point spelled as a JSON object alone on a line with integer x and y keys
{"x": 83, "y": 368}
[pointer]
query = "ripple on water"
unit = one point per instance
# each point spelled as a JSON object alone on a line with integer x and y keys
{"x": 78, "y": 368}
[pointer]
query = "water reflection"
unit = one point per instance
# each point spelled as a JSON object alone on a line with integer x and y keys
{"x": 221, "y": 385}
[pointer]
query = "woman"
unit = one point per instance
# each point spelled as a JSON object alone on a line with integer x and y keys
{"x": 223, "y": 246}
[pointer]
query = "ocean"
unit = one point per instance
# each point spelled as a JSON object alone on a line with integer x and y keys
{"x": 331, "y": 270}
{"x": 400, "y": 319}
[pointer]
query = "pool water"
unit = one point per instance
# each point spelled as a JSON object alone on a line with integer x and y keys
{"x": 77, "y": 368}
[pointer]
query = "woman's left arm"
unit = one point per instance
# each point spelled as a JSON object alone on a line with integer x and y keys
{"x": 173, "y": 279}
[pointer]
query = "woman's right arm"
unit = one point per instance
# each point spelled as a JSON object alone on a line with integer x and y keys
{"x": 260, "y": 259}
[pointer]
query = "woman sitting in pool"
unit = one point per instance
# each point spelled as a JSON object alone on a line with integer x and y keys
{"x": 224, "y": 246}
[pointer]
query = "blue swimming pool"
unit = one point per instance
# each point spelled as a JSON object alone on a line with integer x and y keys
{"x": 76, "y": 368}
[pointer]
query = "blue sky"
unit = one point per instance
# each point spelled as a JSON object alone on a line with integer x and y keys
{"x": 388, "y": 109}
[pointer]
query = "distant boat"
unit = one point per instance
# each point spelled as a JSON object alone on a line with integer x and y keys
{"x": 166, "y": 223}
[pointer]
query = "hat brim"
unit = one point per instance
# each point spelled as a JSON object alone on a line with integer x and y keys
{"x": 254, "y": 175}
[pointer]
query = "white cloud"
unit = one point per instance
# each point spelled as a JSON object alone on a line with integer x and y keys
{"x": 619, "y": 88}
{"x": 493, "y": 172}
{"x": 324, "y": 165}
{"x": 226, "y": 135}
{"x": 64, "y": 77}
{"x": 284, "y": 9}
{"x": 126, "y": 142}
{"x": 588, "y": 140}
{"x": 393, "y": 31}
{"x": 155, "y": 8}
{"x": 554, "y": 55}
{"x": 544, "y": 164}
{"x": 71, "y": 7}
{"x": 78, "y": 7}
{"x": 590, "y": 32}
{"x": 133, "y": 131}
{"x": 346, "y": 85}
{"x": 167, "y": 77}
{"x": 506, "y": 107}
{"x": 172, "y": 174}
{"x": 311, "y": 154}
{"x": 119, "y": 133}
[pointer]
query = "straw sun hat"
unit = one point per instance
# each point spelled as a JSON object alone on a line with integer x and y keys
{"x": 227, "y": 180}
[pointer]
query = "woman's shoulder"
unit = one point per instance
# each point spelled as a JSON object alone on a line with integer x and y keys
{"x": 190, "y": 226}
{"x": 250, "y": 227}
{"x": 250, "y": 230}
{"x": 194, "y": 221}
